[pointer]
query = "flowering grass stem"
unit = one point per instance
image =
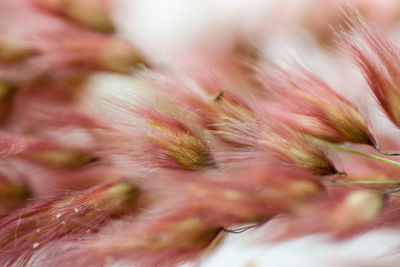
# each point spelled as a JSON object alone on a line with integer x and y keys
{"x": 391, "y": 182}
{"x": 378, "y": 148}
{"x": 241, "y": 229}
{"x": 330, "y": 145}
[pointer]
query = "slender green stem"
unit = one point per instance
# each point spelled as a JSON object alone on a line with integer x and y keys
{"x": 374, "y": 182}
{"x": 361, "y": 153}
{"x": 348, "y": 183}
{"x": 337, "y": 184}
{"x": 390, "y": 192}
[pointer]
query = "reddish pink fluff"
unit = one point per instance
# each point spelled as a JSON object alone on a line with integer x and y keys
{"x": 70, "y": 217}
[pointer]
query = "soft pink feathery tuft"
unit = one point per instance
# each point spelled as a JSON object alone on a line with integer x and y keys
{"x": 316, "y": 108}
{"x": 379, "y": 61}
{"x": 187, "y": 220}
{"x": 71, "y": 216}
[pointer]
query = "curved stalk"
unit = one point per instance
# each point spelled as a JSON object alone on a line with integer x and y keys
{"x": 240, "y": 230}
{"x": 363, "y": 182}
{"x": 360, "y": 153}
{"x": 379, "y": 149}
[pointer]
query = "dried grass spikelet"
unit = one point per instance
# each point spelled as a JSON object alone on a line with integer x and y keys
{"x": 318, "y": 110}
{"x": 6, "y": 94}
{"x": 48, "y": 61}
{"x": 179, "y": 142}
{"x": 220, "y": 113}
{"x": 202, "y": 204}
{"x": 284, "y": 143}
{"x": 44, "y": 180}
{"x": 40, "y": 117}
{"x": 167, "y": 240}
{"x": 94, "y": 14}
{"x": 295, "y": 148}
{"x": 214, "y": 104}
{"x": 230, "y": 118}
{"x": 102, "y": 53}
{"x": 43, "y": 151}
{"x": 159, "y": 139}
{"x": 13, "y": 195}
{"x": 14, "y": 144}
{"x": 251, "y": 195}
{"x": 379, "y": 61}
{"x": 14, "y": 48}
{"x": 171, "y": 232}
{"x": 356, "y": 210}
{"x": 72, "y": 216}
{"x": 62, "y": 48}
{"x": 390, "y": 217}
{"x": 287, "y": 187}
{"x": 345, "y": 213}
{"x": 60, "y": 158}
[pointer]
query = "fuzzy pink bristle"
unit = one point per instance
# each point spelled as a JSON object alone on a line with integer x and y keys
{"x": 74, "y": 215}
{"x": 317, "y": 109}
